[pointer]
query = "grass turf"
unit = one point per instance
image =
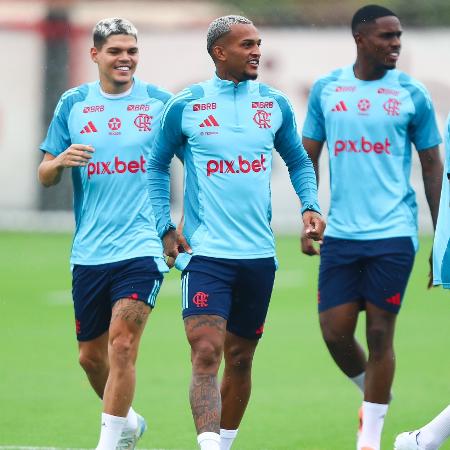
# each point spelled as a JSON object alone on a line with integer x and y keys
{"x": 300, "y": 400}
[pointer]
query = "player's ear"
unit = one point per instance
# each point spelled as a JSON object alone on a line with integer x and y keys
{"x": 94, "y": 53}
{"x": 218, "y": 53}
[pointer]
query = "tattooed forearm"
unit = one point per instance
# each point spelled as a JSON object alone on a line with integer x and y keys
{"x": 131, "y": 311}
{"x": 205, "y": 401}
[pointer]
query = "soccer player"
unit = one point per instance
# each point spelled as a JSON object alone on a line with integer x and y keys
{"x": 103, "y": 132}
{"x": 432, "y": 435}
{"x": 369, "y": 113}
{"x": 227, "y": 127}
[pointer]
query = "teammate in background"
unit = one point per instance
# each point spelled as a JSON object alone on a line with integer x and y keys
{"x": 432, "y": 435}
{"x": 228, "y": 127}
{"x": 103, "y": 131}
{"x": 369, "y": 113}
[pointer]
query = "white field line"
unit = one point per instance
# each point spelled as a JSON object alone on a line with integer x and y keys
{"x": 20, "y": 447}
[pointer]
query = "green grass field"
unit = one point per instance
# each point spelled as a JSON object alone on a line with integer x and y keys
{"x": 300, "y": 400}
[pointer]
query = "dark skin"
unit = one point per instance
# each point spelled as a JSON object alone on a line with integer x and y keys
{"x": 236, "y": 57}
{"x": 378, "y": 48}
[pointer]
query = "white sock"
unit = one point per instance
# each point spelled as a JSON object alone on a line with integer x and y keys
{"x": 226, "y": 438}
{"x": 132, "y": 420}
{"x": 434, "y": 433}
{"x": 373, "y": 421}
{"x": 359, "y": 381}
{"x": 110, "y": 432}
{"x": 209, "y": 441}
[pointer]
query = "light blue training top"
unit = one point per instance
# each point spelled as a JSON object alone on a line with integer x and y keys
{"x": 441, "y": 247}
{"x": 113, "y": 216}
{"x": 369, "y": 127}
{"x": 227, "y": 132}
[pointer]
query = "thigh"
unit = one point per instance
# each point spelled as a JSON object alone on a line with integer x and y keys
{"x": 251, "y": 297}
{"x": 90, "y": 292}
{"x": 136, "y": 279}
{"x": 206, "y": 287}
{"x": 387, "y": 273}
{"x": 340, "y": 273}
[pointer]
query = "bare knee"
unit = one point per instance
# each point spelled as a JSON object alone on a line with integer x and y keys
{"x": 93, "y": 361}
{"x": 122, "y": 348}
{"x": 239, "y": 359}
{"x": 206, "y": 355}
{"x": 379, "y": 341}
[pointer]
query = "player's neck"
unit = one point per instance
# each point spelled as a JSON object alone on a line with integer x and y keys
{"x": 115, "y": 89}
{"x": 368, "y": 72}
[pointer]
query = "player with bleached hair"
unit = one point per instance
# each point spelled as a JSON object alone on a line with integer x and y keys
{"x": 102, "y": 132}
{"x": 227, "y": 127}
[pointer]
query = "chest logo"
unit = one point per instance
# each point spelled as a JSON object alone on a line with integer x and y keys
{"x": 392, "y": 107}
{"x": 143, "y": 122}
{"x": 114, "y": 124}
{"x": 364, "y": 105}
{"x": 89, "y": 128}
{"x": 210, "y": 121}
{"x": 262, "y": 119}
{"x": 341, "y": 106}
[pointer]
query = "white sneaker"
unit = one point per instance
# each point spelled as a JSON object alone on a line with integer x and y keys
{"x": 129, "y": 437}
{"x": 407, "y": 441}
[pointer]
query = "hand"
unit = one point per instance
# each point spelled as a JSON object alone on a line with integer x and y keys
{"x": 314, "y": 225}
{"x": 307, "y": 245}
{"x": 174, "y": 244}
{"x": 77, "y": 155}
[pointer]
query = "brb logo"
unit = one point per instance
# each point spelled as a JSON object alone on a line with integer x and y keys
{"x": 243, "y": 166}
{"x": 365, "y": 146}
{"x": 204, "y": 106}
{"x": 116, "y": 166}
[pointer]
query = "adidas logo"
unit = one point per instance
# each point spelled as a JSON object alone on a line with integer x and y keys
{"x": 210, "y": 121}
{"x": 341, "y": 106}
{"x": 89, "y": 128}
{"x": 394, "y": 300}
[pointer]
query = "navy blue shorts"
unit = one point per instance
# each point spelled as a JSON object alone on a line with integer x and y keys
{"x": 96, "y": 288}
{"x": 376, "y": 271}
{"x": 238, "y": 290}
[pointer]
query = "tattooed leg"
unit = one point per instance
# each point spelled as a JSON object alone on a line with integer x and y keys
{"x": 206, "y": 335}
{"x": 127, "y": 324}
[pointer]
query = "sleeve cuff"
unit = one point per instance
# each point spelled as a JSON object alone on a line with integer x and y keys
{"x": 169, "y": 226}
{"x": 311, "y": 207}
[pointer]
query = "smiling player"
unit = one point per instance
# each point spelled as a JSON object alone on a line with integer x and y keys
{"x": 228, "y": 127}
{"x": 103, "y": 132}
{"x": 370, "y": 113}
